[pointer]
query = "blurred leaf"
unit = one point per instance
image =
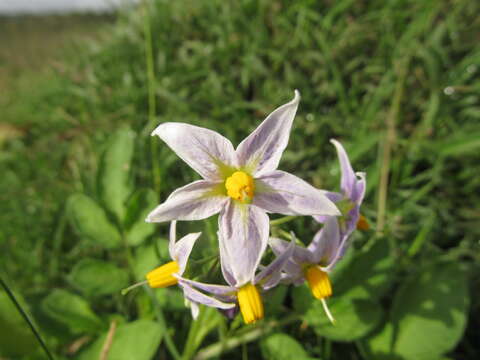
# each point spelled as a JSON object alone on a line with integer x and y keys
{"x": 462, "y": 144}
{"x": 275, "y": 298}
{"x": 208, "y": 319}
{"x": 146, "y": 259}
{"x": 114, "y": 173}
{"x": 71, "y": 310}
{"x": 139, "y": 206}
{"x": 137, "y": 340}
{"x": 302, "y": 298}
{"x": 90, "y": 221}
{"x": 428, "y": 316}
{"x": 16, "y": 338}
{"x": 96, "y": 277}
{"x": 369, "y": 274}
{"x": 281, "y": 346}
{"x": 355, "y": 318}
{"x": 171, "y": 298}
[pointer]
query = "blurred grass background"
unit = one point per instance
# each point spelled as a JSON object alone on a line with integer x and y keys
{"x": 397, "y": 82}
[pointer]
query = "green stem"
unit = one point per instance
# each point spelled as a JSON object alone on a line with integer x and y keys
{"x": 161, "y": 319}
{"x": 282, "y": 220}
{"x": 27, "y": 319}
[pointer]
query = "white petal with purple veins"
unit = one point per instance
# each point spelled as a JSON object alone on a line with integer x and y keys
{"x": 195, "y": 201}
{"x": 198, "y": 297}
{"x": 326, "y": 243}
{"x": 261, "y": 151}
{"x": 206, "y": 151}
{"x": 284, "y": 193}
{"x": 244, "y": 232}
{"x": 183, "y": 248}
{"x": 276, "y": 266}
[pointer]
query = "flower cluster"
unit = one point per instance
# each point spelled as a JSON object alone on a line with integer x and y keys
{"x": 243, "y": 185}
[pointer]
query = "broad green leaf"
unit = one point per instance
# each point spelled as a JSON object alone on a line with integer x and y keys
{"x": 171, "y": 298}
{"x": 72, "y": 311}
{"x": 355, "y": 318}
{"x": 95, "y": 277}
{"x": 137, "y": 340}
{"x": 281, "y": 346}
{"x": 16, "y": 338}
{"x": 302, "y": 298}
{"x": 369, "y": 275}
{"x": 139, "y": 206}
{"x": 114, "y": 174}
{"x": 429, "y": 312}
{"x": 146, "y": 260}
{"x": 91, "y": 222}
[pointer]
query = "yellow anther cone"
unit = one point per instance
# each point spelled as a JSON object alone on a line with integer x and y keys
{"x": 240, "y": 186}
{"x": 318, "y": 282}
{"x": 162, "y": 276}
{"x": 251, "y": 305}
{"x": 362, "y": 223}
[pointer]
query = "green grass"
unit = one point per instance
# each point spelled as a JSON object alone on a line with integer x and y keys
{"x": 397, "y": 82}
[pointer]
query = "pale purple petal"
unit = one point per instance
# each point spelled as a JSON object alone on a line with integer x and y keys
{"x": 333, "y": 196}
{"x": 183, "y": 248}
{"x": 195, "y": 201}
{"x": 221, "y": 290}
{"x": 326, "y": 243}
{"x": 276, "y": 265}
{"x": 348, "y": 176}
{"x": 244, "y": 232}
{"x": 225, "y": 262}
{"x": 358, "y": 191}
{"x": 206, "y": 151}
{"x": 200, "y": 298}
{"x": 300, "y": 254}
{"x": 284, "y": 193}
{"x": 173, "y": 239}
{"x": 261, "y": 151}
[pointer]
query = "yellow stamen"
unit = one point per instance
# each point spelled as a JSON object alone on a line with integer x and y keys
{"x": 318, "y": 282}
{"x": 240, "y": 186}
{"x": 162, "y": 276}
{"x": 362, "y": 223}
{"x": 251, "y": 305}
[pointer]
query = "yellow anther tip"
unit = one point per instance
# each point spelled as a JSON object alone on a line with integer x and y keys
{"x": 240, "y": 186}
{"x": 163, "y": 275}
{"x": 318, "y": 282}
{"x": 362, "y": 223}
{"x": 250, "y": 302}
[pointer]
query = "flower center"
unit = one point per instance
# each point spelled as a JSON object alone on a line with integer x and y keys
{"x": 318, "y": 282}
{"x": 250, "y": 302}
{"x": 240, "y": 186}
{"x": 162, "y": 276}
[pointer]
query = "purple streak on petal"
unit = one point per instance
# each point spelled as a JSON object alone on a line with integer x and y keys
{"x": 195, "y": 201}
{"x": 348, "y": 176}
{"x": 204, "y": 150}
{"x": 211, "y": 288}
{"x": 276, "y": 265}
{"x": 173, "y": 239}
{"x": 284, "y": 193}
{"x": 183, "y": 248}
{"x": 326, "y": 242}
{"x": 198, "y": 297}
{"x": 262, "y": 149}
{"x": 244, "y": 236}
{"x": 225, "y": 262}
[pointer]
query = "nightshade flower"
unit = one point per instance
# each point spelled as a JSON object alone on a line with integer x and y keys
{"x": 165, "y": 275}
{"x": 247, "y": 295}
{"x": 330, "y": 242}
{"x": 242, "y": 185}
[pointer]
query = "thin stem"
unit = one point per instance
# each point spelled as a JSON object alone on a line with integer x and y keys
{"x": 282, "y": 220}
{"x": 131, "y": 287}
{"x": 27, "y": 319}
{"x": 327, "y": 311}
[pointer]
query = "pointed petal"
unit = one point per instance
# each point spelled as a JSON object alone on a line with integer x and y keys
{"x": 284, "y": 193}
{"x": 300, "y": 254}
{"x": 183, "y": 248}
{"x": 244, "y": 235}
{"x": 326, "y": 242}
{"x": 221, "y": 290}
{"x": 348, "y": 176}
{"x": 173, "y": 239}
{"x": 359, "y": 188}
{"x": 195, "y": 201}
{"x": 276, "y": 265}
{"x": 194, "y": 308}
{"x": 261, "y": 151}
{"x": 206, "y": 151}
{"x": 225, "y": 262}
{"x": 198, "y": 297}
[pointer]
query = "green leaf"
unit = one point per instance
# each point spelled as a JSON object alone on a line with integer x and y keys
{"x": 16, "y": 338}
{"x": 355, "y": 318}
{"x": 146, "y": 260}
{"x": 114, "y": 174}
{"x": 281, "y": 346}
{"x": 428, "y": 316}
{"x": 139, "y": 206}
{"x": 96, "y": 277}
{"x": 137, "y": 340}
{"x": 369, "y": 275}
{"x": 90, "y": 221}
{"x": 72, "y": 311}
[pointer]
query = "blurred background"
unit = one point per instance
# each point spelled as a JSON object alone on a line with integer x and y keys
{"x": 83, "y": 85}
